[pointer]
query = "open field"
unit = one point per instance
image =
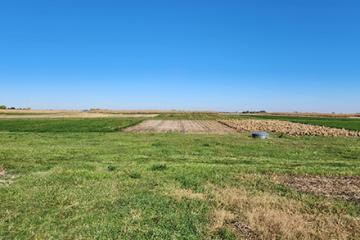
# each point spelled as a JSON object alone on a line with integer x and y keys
{"x": 67, "y": 125}
{"x": 349, "y": 123}
{"x": 346, "y": 123}
{"x": 45, "y": 114}
{"x": 80, "y": 115}
{"x": 85, "y": 179}
{"x": 181, "y": 126}
{"x": 286, "y": 127}
{"x": 305, "y": 114}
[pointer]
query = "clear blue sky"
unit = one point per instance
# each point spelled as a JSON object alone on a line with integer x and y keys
{"x": 280, "y": 55}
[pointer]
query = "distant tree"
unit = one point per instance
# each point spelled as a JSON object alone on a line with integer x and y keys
{"x": 2, "y": 107}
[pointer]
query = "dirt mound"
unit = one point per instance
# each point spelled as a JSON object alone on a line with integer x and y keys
{"x": 183, "y": 126}
{"x": 290, "y": 128}
{"x": 341, "y": 187}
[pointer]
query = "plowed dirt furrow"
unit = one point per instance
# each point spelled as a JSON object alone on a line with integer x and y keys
{"x": 182, "y": 126}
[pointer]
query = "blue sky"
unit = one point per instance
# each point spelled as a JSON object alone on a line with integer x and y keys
{"x": 230, "y": 55}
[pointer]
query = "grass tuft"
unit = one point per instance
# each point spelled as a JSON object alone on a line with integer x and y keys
{"x": 111, "y": 168}
{"x": 159, "y": 167}
{"x": 135, "y": 175}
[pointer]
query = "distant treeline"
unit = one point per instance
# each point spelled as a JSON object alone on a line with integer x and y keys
{"x": 262, "y": 111}
{"x": 13, "y": 108}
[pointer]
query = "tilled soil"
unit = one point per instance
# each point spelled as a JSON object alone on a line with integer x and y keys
{"x": 347, "y": 187}
{"x": 290, "y": 128}
{"x": 183, "y": 126}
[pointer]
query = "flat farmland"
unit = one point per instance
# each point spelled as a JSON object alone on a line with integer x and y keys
{"x": 289, "y": 128}
{"x": 350, "y": 123}
{"x": 98, "y": 178}
{"x": 58, "y": 114}
{"x": 181, "y": 126}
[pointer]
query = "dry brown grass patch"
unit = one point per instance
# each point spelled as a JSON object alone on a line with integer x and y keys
{"x": 270, "y": 216}
{"x": 2, "y": 171}
{"x": 346, "y": 187}
{"x": 136, "y": 214}
{"x": 220, "y": 217}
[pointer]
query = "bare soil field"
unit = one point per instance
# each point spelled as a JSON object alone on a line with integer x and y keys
{"x": 183, "y": 126}
{"x": 290, "y": 128}
{"x": 347, "y": 187}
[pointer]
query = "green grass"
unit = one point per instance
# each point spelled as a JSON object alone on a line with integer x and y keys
{"x": 70, "y": 179}
{"x": 347, "y": 123}
{"x": 66, "y": 125}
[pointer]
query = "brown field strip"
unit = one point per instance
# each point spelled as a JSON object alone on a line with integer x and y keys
{"x": 285, "y": 127}
{"x": 346, "y": 187}
{"x": 182, "y": 126}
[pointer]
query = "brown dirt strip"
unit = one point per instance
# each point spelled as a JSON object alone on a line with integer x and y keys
{"x": 182, "y": 126}
{"x": 290, "y": 128}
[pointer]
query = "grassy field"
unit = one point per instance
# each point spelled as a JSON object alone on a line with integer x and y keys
{"x": 83, "y": 179}
{"x": 66, "y": 125}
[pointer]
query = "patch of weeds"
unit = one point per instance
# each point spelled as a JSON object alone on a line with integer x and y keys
{"x": 111, "y": 168}
{"x": 159, "y": 167}
{"x": 157, "y": 144}
{"x": 206, "y": 145}
{"x": 225, "y": 233}
{"x": 134, "y": 175}
{"x": 112, "y": 129}
{"x": 189, "y": 182}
